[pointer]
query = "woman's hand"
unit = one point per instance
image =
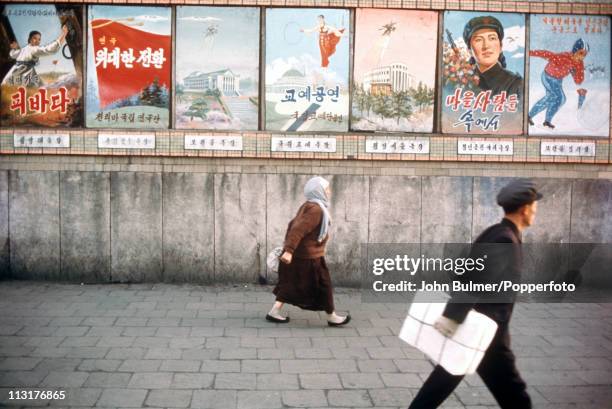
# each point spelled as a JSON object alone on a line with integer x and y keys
{"x": 14, "y": 45}
{"x": 286, "y": 257}
{"x": 64, "y": 34}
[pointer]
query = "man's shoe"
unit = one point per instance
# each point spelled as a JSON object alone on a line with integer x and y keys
{"x": 277, "y": 320}
{"x": 338, "y": 324}
{"x": 548, "y": 124}
{"x": 530, "y": 121}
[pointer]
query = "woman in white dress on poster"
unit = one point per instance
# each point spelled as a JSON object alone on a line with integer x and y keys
{"x": 23, "y": 72}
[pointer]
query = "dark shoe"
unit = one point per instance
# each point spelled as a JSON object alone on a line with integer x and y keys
{"x": 346, "y": 321}
{"x": 548, "y": 124}
{"x": 277, "y": 320}
{"x": 530, "y": 120}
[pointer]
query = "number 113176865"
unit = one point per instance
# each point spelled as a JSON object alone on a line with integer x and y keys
{"x": 36, "y": 394}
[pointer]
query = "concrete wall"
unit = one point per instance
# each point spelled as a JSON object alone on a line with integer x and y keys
{"x": 176, "y": 226}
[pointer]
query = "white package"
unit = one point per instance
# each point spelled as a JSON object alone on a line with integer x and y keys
{"x": 459, "y": 355}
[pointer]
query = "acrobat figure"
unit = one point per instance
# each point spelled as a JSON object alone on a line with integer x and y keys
{"x": 23, "y": 72}
{"x": 559, "y": 66}
{"x": 329, "y": 37}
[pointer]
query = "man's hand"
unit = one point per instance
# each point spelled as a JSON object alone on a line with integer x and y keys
{"x": 581, "y": 91}
{"x": 446, "y": 326}
{"x": 14, "y": 45}
{"x": 286, "y": 257}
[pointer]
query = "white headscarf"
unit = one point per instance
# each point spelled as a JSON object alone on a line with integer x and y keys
{"x": 314, "y": 190}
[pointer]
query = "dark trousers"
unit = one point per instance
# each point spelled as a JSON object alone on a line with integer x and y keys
{"x": 498, "y": 371}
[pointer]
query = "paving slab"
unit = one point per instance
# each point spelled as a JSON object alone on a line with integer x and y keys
{"x": 186, "y": 346}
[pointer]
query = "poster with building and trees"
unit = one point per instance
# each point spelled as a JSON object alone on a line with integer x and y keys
{"x": 393, "y": 90}
{"x": 217, "y": 69}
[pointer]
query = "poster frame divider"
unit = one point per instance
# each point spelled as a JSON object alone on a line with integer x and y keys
{"x": 351, "y": 73}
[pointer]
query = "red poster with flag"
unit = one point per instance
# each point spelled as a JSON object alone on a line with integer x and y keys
{"x": 128, "y": 60}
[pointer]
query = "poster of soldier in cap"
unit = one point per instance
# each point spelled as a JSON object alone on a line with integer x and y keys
{"x": 307, "y": 69}
{"x": 391, "y": 90}
{"x": 483, "y": 67}
{"x": 41, "y": 65}
{"x": 569, "y": 75}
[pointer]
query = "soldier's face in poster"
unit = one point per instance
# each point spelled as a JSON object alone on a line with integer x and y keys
{"x": 486, "y": 48}
{"x": 482, "y": 78}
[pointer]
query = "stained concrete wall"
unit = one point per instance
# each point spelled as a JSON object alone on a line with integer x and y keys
{"x": 85, "y": 226}
{"x": 34, "y": 225}
{"x": 240, "y": 226}
{"x": 188, "y": 227}
{"x": 134, "y": 226}
{"x": 4, "y": 227}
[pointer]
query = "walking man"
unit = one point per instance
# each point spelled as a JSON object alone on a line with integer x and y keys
{"x": 497, "y": 368}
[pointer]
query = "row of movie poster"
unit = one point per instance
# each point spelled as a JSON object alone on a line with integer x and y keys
{"x": 307, "y": 87}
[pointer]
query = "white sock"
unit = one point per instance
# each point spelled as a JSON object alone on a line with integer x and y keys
{"x": 334, "y": 318}
{"x": 275, "y": 312}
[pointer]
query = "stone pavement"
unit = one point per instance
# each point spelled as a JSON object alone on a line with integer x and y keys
{"x": 188, "y": 346}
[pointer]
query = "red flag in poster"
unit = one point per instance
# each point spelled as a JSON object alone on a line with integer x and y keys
{"x": 128, "y": 59}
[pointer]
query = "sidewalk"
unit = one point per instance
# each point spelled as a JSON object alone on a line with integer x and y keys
{"x": 187, "y": 346}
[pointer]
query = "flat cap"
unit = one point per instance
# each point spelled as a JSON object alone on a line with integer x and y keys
{"x": 519, "y": 192}
{"x": 480, "y": 22}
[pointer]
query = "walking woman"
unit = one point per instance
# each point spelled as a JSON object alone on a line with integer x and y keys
{"x": 303, "y": 277}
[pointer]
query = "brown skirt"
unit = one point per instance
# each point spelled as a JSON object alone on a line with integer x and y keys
{"x": 305, "y": 283}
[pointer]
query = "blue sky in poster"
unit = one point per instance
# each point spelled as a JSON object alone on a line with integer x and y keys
{"x": 147, "y": 18}
{"x": 284, "y": 39}
{"x": 49, "y": 27}
{"x": 234, "y": 46}
{"x": 514, "y": 27}
{"x": 542, "y": 38}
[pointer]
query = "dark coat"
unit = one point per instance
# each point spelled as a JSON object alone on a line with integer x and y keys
{"x": 498, "y": 79}
{"x": 302, "y": 235}
{"x": 504, "y": 262}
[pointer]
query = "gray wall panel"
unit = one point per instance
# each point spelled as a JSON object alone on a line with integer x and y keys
{"x": 85, "y": 226}
{"x": 349, "y": 212}
{"x": 188, "y": 227}
{"x": 448, "y": 220}
{"x": 34, "y": 225}
{"x": 5, "y": 255}
{"x": 394, "y": 209}
{"x": 240, "y": 226}
{"x": 136, "y": 227}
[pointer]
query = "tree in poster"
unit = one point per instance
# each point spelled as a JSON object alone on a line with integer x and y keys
{"x": 199, "y": 108}
{"x": 400, "y": 105}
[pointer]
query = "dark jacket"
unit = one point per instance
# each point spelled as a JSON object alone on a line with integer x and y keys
{"x": 303, "y": 232}
{"x": 504, "y": 262}
{"x": 498, "y": 79}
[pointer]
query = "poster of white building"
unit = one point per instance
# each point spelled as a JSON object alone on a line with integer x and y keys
{"x": 217, "y": 68}
{"x": 393, "y": 90}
